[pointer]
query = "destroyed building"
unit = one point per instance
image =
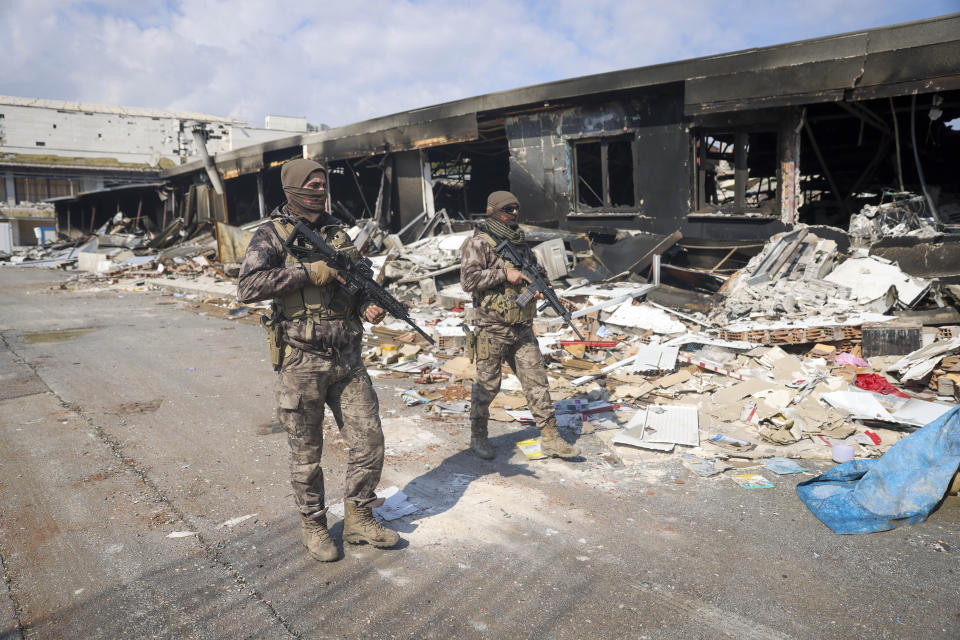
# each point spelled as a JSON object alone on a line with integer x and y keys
{"x": 726, "y": 149}
{"x": 787, "y": 215}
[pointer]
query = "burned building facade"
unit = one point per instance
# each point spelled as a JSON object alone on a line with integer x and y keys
{"x": 726, "y": 148}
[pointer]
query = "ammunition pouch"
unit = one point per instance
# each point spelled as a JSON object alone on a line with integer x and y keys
{"x": 313, "y": 303}
{"x": 502, "y": 299}
{"x": 482, "y": 349}
{"x": 504, "y": 304}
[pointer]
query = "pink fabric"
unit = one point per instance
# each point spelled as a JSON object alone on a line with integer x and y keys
{"x": 849, "y": 358}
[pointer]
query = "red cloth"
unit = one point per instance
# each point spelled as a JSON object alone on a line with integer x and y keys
{"x": 876, "y": 382}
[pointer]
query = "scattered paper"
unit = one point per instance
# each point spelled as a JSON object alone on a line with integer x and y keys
{"x": 531, "y": 449}
{"x": 232, "y": 522}
{"x": 783, "y": 466}
{"x": 412, "y": 398}
{"x": 181, "y": 534}
{"x": 701, "y": 467}
{"x": 729, "y": 442}
{"x": 524, "y": 416}
{"x": 395, "y": 504}
{"x": 639, "y": 316}
{"x": 751, "y": 481}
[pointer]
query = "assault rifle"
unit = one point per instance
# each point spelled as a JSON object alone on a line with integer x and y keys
{"x": 538, "y": 284}
{"x": 355, "y": 276}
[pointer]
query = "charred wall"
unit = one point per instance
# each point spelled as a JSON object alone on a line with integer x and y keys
{"x": 568, "y": 165}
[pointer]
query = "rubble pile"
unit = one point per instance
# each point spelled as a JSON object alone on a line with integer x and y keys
{"x": 810, "y": 351}
{"x": 800, "y": 276}
{"x": 902, "y": 216}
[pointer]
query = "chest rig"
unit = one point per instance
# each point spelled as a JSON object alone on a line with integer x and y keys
{"x": 315, "y": 303}
{"x": 502, "y": 299}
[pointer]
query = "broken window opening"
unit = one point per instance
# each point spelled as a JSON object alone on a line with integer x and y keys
{"x": 604, "y": 174}
{"x": 464, "y": 174}
{"x": 859, "y": 153}
{"x": 451, "y": 183}
{"x": 353, "y": 187}
{"x": 736, "y": 173}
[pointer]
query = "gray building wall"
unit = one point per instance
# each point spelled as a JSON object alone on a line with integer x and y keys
{"x": 129, "y": 135}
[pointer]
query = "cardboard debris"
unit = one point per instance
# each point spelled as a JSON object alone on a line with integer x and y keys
{"x": 674, "y": 379}
{"x": 460, "y": 367}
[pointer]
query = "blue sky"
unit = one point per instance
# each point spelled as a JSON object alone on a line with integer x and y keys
{"x": 340, "y": 62}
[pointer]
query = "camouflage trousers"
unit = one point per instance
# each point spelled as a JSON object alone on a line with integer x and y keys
{"x": 306, "y": 384}
{"x": 517, "y": 346}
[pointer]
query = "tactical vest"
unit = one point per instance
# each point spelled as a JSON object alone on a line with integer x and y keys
{"x": 313, "y": 303}
{"x": 502, "y": 299}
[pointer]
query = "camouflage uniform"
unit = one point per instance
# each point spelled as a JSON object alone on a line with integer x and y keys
{"x": 483, "y": 271}
{"x": 321, "y": 366}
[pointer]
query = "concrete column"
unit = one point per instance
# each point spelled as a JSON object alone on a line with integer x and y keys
{"x": 408, "y": 170}
{"x": 740, "y": 171}
{"x": 427, "y": 184}
{"x": 260, "y": 199}
{"x": 11, "y": 187}
{"x": 788, "y": 179}
{"x": 212, "y": 172}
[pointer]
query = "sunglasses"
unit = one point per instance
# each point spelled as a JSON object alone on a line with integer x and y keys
{"x": 511, "y": 208}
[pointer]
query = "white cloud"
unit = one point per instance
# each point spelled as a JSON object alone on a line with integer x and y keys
{"x": 339, "y": 62}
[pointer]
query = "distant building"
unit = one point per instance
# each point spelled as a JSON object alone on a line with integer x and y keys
{"x": 88, "y": 157}
{"x": 53, "y": 148}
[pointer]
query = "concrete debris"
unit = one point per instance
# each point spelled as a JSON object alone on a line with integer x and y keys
{"x": 800, "y": 275}
{"x": 904, "y": 216}
{"x": 797, "y": 352}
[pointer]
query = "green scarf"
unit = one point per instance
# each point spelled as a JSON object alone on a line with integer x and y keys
{"x": 499, "y": 230}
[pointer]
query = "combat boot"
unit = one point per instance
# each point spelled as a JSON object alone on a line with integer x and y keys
{"x": 478, "y": 439}
{"x": 317, "y": 540}
{"x": 552, "y": 445}
{"x": 359, "y": 525}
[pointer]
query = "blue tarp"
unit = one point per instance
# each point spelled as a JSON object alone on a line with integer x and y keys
{"x": 902, "y": 487}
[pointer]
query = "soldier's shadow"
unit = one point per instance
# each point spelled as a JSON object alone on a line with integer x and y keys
{"x": 441, "y": 488}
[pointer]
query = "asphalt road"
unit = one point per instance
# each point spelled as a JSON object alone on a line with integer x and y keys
{"x": 125, "y": 417}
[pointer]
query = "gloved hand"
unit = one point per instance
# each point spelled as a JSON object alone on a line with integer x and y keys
{"x": 374, "y": 314}
{"x": 515, "y": 276}
{"x": 321, "y": 273}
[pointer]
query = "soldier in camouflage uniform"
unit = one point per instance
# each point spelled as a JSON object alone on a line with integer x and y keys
{"x": 316, "y": 333}
{"x": 504, "y": 330}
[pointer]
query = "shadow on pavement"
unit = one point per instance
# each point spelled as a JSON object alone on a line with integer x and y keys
{"x": 441, "y": 488}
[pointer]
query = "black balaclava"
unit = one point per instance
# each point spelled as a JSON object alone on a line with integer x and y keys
{"x": 308, "y": 204}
